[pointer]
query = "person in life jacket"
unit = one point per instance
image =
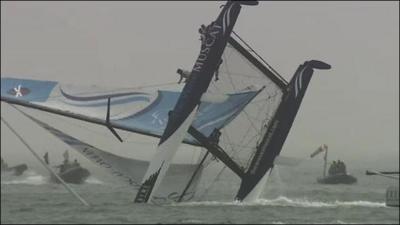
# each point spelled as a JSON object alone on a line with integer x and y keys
{"x": 203, "y": 32}
{"x": 333, "y": 168}
{"x": 341, "y": 167}
{"x": 184, "y": 75}
{"x": 76, "y": 163}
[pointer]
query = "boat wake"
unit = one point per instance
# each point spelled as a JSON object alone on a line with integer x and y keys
{"x": 288, "y": 202}
{"x": 93, "y": 180}
{"x": 29, "y": 177}
{"x": 284, "y": 201}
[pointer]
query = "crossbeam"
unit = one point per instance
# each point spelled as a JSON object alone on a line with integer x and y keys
{"x": 216, "y": 151}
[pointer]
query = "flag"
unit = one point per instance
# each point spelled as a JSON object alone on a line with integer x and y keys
{"x": 319, "y": 150}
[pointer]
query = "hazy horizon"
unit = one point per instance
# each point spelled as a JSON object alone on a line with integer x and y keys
{"x": 353, "y": 108}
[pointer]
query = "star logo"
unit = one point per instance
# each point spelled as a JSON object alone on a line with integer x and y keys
{"x": 19, "y": 91}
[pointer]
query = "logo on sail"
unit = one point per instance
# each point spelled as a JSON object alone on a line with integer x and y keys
{"x": 19, "y": 91}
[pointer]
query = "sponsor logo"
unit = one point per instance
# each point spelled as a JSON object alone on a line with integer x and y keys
{"x": 19, "y": 91}
{"x": 298, "y": 84}
{"x": 159, "y": 119}
{"x": 264, "y": 147}
{"x": 226, "y": 21}
{"x": 208, "y": 40}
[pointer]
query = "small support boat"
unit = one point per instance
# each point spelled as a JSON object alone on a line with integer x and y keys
{"x": 15, "y": 170}
{"x": 70, "y": 172}
{"x": 337, "y": 173}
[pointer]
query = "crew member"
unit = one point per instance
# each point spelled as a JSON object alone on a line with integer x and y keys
{"x": 184, "y": 75}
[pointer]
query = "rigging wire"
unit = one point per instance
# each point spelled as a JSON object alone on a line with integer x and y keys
{"x": 221, "y": 171}
{"x": 105, "y": 135}
{"x": 69, "y": 189}
{"x": 269, "y": 66}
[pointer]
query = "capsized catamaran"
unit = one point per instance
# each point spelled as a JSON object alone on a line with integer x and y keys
{"x": 244, "y": 129}
{"x": 214, "y": 38}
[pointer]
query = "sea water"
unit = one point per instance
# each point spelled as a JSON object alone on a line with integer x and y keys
{"x": 291, "y": 196}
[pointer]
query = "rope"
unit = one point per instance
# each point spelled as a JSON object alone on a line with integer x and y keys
{"x": 69, "y": 189}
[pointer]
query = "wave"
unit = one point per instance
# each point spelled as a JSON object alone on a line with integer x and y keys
{"x": 287, "y": 202}
{"x": 284, "y": 201}
{"x": 93, "y": 180}
{"x": 30, "y": 177}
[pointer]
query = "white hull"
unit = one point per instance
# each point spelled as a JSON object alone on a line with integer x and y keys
{"x": 258, "y": 189}
{"x": 165, "y": 153}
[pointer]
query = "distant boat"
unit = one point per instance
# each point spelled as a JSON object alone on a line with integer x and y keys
{"x": 392, "y": 192}
{"x": 15, "y": 170}
{"x": 70, "y": 172}
{"x": 337, "y": 173}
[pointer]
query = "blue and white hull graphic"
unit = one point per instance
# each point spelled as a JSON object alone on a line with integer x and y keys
{"x": 141, "y": 111}
{"x": 163, "y": 157}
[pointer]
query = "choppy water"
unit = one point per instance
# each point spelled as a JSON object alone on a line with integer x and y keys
{"x": 289, "y": 198}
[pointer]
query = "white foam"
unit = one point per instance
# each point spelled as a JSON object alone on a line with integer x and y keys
{"x": 29, "y": 177}
{"x": 192, "y": 221}
{"x": 285, "y": 201}
{"x": 277, "y": 222}
{"x": 93, "y": 180}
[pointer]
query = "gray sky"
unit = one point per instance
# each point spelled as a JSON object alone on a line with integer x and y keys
{"x": 354, "y": 107}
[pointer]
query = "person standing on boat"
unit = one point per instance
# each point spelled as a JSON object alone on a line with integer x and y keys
{"x": 344, "y": 168}
{"x": 76, "y": 163}
{"x": 333, "y": 169}
{"x": 341, "y": 167}
{"x": 46, "y": 158}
